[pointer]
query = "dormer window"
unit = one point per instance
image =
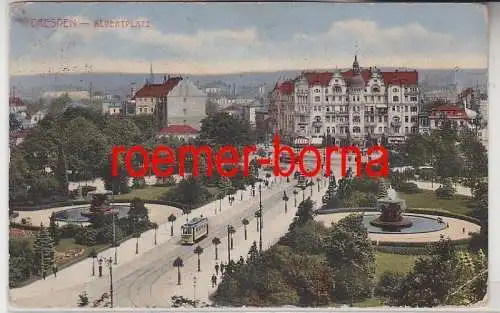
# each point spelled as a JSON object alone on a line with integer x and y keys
{"x": 395, "y": 89}
{"x": 317, "y": 90}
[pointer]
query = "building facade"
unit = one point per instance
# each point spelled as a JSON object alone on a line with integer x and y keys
{"x": 175, "y": 101}
{"x": 358, "y": 106}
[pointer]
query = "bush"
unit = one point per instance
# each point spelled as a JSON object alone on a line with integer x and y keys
{"x": 408, "y": 188}
{"x": 68, "y": 230}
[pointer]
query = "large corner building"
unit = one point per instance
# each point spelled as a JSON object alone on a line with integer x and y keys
{"x": 357, "y": 106}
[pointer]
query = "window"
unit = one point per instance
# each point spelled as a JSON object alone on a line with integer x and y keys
{"x": 406, "y": 108}
{"x": 413, "y": 109}
{"x": 395, "y": 89}
{"x": 328, "y": 129}
{"x": 379, "y": 98}
{"x": 185, "y": 99}
{"x": 395, "y": 99}
{"x": 326, "y": 99}
{"x": 393, "y": 108}
{"x": 406, "y": 119}
{"x": 317, "y": 130}
{"x": 406, "y": 130}
{"x": 356, "y": 119}
{"x": 398, "y": 107}
{"x": 357, "y": 98}
{"x": 140, "y": 110}
{"x": 317, "y": 90}
{"x": 185, "y": 121}
{"x": 380, "y": 119}
{"x": 356, "y": 130}
{"x": 317, "y": 98}
{"x": 380, "y": 129}
{"x": 327, "y": 109}
{"x": 184, "y": 110}
{"x": 337, "y": 88}
{"x": 414, "y": 99}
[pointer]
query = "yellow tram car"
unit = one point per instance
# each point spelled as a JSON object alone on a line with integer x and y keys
{"x": 194, "y": 230}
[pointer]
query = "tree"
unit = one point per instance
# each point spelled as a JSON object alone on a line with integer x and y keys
{"x": 53, "y": 228}
{"x": 138, "y": 214}
{"x": 445, "y": 277}
{"x": 59, "y": 104}
{"x": 188, "y": 192}
{"x": 305, "y": 212}
{"x": 224, "y": 129}
{"x": 446, "y": 191}
{"x": 285, "y": 198}
{"x": 245, "y": 222}
{"x": 44, "y": 251}
{"x": 352, "y": 256}
{"x": 178, "y": 263}
{"x": 198, "y": 251}
{"x": 14, "y": 123}
{"x": 216, "y": 241}
{"x": 171, "y": 219}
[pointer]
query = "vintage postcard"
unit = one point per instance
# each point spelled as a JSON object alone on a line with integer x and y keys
{"x": 309, "y": 155}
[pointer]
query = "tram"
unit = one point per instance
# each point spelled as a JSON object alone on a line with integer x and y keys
{"x": 194, "y": 230}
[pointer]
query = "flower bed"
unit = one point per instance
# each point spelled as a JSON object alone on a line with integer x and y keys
{"x": 20, "y": 233}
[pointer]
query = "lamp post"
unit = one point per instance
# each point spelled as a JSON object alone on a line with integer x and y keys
{"x": 114, "y": 239}
{"x": 99, "y": 262}
{"x": 110, "y": 264}
{"x": 230, "y": 229}
{"x": 260, "y": 217}
{"x": 194, "y": 289}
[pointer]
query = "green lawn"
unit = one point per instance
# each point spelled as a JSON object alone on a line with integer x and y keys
{"x": 393, "y": 262}
{"x": 148, "y": 193}
{"x": 428, "y": 199}
{"x": 387, "y": 262}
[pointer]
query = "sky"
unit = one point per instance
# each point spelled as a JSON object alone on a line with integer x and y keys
{"x": 219, "y": 38}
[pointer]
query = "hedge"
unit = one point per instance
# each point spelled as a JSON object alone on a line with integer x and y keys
{"x": 445, "y": 214}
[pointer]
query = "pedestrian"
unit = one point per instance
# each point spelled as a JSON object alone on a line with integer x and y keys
{"x": 214, "y": 281}
{"x": 54, "y": 269}
{"x": 217, "y": 268}
{"x": 222, "y": 266}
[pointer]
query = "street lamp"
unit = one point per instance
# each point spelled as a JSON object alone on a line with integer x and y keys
{"x": 114, "y": 238}
{"x": 194, "y": 289}
{"x": 110, "y": 265}
{"x": 260, "y": 217}
{"x": 230, "y": 230}
{"x": 99, "y": 262}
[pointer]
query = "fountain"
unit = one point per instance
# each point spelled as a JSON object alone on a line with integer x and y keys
{"x": 391, "y": 217}
{"x": 100, "y": 203}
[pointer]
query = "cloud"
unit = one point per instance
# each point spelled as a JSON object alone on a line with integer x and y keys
{"x": 376, "y": 40}
{"x": 200, "y": 39}
{"x": 233, "y": 50}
